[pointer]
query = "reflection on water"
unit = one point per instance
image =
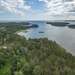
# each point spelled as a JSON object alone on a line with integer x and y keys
{"x": 63, "y": 35}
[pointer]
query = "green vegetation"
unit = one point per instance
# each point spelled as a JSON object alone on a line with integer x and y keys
{"x": 19, "y": 56}
{"x": 59, "y": 24}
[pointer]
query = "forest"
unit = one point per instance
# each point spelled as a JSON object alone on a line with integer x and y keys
{"x": 19, "y": 56}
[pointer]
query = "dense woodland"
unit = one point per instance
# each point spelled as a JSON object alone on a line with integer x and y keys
{"x": 19, "y": 56}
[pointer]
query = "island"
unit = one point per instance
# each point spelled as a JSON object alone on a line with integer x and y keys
{"x": 72, "y": 26}
{"x": 61, "y": 24}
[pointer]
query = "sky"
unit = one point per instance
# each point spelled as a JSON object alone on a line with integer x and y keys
{"x": 37, "y": 10}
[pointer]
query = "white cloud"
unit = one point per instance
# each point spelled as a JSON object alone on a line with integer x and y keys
{"x": 53, "y": 7}
{"x": 59, "y": 7}
{"x": 15, "y": 6}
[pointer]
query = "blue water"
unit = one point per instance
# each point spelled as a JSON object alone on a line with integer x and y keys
{"x": 62, "y": 35}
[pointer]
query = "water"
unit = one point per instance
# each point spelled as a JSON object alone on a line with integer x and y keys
{"x": 62, "y": 35}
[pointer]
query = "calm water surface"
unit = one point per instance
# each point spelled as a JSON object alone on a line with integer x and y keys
{"x": 62, "y": 35}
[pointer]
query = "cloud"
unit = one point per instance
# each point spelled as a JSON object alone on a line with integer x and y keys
{"x": 54, "y": 7}
{"x": 59, "y": 7}
{"x": 68, "y": 0}
{"x": 14, "y": 6}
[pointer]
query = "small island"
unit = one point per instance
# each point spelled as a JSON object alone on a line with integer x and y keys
{"x": 72, "y": 26}
{"x": 41, "y": 32}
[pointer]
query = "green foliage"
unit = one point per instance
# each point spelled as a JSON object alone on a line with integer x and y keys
{"x": 19, "y": 56}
